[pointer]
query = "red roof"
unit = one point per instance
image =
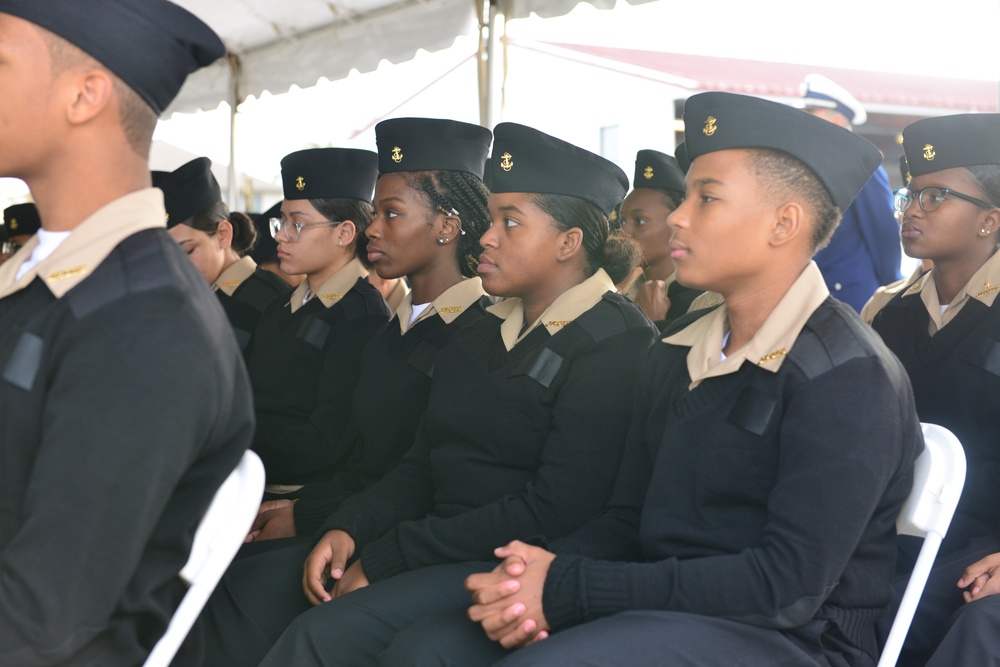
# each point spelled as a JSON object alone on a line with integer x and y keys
{"x": 757, "y": 77}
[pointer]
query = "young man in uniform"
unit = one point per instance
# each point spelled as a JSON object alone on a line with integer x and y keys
{"x": 123, "y": 400}
{"x": 772, "y": 442}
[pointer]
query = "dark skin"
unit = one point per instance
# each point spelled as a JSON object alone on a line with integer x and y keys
{"x": 525, "y": 255}
{"x": 644, "y": 214}
{"x": 959, "y": 237}
{"x": 408, "y": 237}
{"x": 728, "y": 238}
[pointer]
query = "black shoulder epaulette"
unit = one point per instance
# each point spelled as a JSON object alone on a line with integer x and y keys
{"x": 260, "y": 289}
{"x": 829, "y": 340}
{"x": 363, "y": 300}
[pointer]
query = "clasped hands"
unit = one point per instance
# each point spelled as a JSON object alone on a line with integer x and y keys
{"x": 507, "y": 601}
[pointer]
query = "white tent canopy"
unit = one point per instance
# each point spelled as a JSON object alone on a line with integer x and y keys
{"x": 275, "y": 45}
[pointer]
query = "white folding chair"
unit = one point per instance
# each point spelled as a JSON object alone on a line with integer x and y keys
{"x": 938, "y": 478}
{"x": 219, "y": 536}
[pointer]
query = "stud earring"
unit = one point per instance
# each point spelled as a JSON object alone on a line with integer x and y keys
{"x": 441, "y": 241}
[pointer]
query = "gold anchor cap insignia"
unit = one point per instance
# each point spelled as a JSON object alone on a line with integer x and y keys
{"x": 13, "y": 223}
{"x": 300, "y": 183}
{"x": 710, "y": 126}
{"x": 929, "y": 152}
{"x": 648, "y": 173}
{"x": 506, "y": 162}
{"x": 397, "y": 154}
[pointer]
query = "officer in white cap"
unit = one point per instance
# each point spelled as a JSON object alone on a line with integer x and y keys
{"x": 864, "y": 253}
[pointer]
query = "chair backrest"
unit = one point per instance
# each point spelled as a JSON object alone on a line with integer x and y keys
{"x": 216, "y": 541}
{"x": 938, "y": 478}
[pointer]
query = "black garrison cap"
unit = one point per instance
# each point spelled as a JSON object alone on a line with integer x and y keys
{"x": 657, "y": 170}
{"x": 188, "y": 190}
{"x": 151, "y": 45}
{"x": 430, "y": 144}
{"x": 841, "y": 160}
{"x": 266, "y": 249}
{"x": 329, "y": 173}
{"x": 19, "y": 219}
{"x": 526, "y": 160}
{"x": 962, "y": 140}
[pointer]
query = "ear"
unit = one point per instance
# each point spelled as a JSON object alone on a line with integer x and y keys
{"x": 346, "y": 231}
{"x": 789, "y": 223}
{"x": 449, "y": 227}
{"x": 990, "y": 223}
{"x": 570, "y": 244}
{"x": 224, "y": 234}
{"x": 92, "y": 90}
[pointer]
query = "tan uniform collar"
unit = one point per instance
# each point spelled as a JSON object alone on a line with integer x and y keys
{"x": 448, "y": 306}
{"x": 334, "y": 288}
{"x": 89, "y": 244}
{"x": 883, "y": 295}
{"x": 983, "y": 286}
{"x": 769, "y": 345}
{"x": 567, "y": 307}
{"x": 230, "y": 279}
{"x": 396, "y": 296}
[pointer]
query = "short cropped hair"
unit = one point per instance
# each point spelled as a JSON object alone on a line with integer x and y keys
{"x": 138, "y": 120}
{"x": 783, "y": 178}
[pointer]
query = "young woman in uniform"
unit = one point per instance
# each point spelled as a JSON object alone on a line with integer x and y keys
{"x": 305, "y": 357}
{"x": 526, "y": 418}
{"x": 658, "y": 189}
{"x": 430, "y": 211}
{"x": 945, "y": 328}
{"x": 218, "y": 242}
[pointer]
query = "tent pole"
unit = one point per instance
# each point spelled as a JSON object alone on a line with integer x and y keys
{"x": 234, "y": 100}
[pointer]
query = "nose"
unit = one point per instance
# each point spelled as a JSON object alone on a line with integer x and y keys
{"x": 489, "y": 237}
{"x": 374, "y": 230}
{"x": 678, "y": 218}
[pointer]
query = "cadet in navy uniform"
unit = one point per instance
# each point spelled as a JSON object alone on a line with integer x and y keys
{"x": 124, "y": 402}
{"x": 945, "y": 327}
{"x": 20, "y": 223}
{"x": 753, "y": 521}
{"x": 864, "y": 252}
{"x": 265, "y": 253}
{"x": 218, "y": 242}
{"x": 305, "y": 357}
{"x": 526, "y": 418}
{"x": 658, "y": 188}
{"x": 430, "y": 211}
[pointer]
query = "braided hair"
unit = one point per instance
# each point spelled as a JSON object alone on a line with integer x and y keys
{"x": 465, "y": 194}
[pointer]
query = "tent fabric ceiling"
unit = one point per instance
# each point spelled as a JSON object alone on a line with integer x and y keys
{"x": 297, "y": 42}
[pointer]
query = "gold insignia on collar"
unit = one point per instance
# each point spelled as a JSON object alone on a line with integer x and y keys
{"x": 300, "y": 183}
{"x": 777, "y": 354}
{"x": 327, "y": 297}
{"x": 557, "y": 323}
{"x": 710, "y": 126}
{"x": 914, "y": 287}
{"x": 230, "y": 283}
{"x": 648, "y": 173}
{"x": 68, "y": 273}
{"x": 451, "y": 309}
{"x": 13, "y": 224}
{"x": 929, "y": 152}
{"x": 397, "y": 154}
{"x": 988, "y": 288}
{"x": 506, "y": 162}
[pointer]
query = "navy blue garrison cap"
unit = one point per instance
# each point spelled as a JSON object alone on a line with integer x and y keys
{"x": 658, "y": 171}
{"x": 151, "y": 45}
{"x": 19, "y": 219}
{"x": 329, "y": 173}
{"x": 944, "y": 142}
{"x": 841, "y": 160}
{"x": 188, "y": 190}
{"x": 526, "y": 160}
{"x": 431, "y": 144}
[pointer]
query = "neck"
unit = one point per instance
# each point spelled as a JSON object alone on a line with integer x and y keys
{"x": 77, "y": 184}
{"x": 543, "y": 296}
{"x": 231, "y": 258}
{"x": 431, "y": 282}
{"x": 659, "y": 270}
{"x": 317, "y": 278}
{"x": 952, "y": 275}
{"x": 748, "y": 308}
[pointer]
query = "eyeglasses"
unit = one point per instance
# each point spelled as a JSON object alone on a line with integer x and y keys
{"x": 930, "y": 199}
{"x": 277, "y": 224}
